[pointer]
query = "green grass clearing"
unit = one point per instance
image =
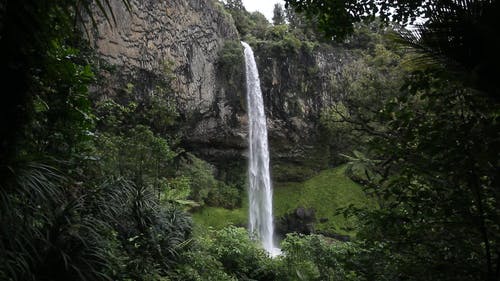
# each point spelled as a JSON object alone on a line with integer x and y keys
{"x": 325, "y": 192}
{"x": 218, "y": 218}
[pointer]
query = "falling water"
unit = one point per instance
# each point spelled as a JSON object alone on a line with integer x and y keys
{"x": 259, "y": 191}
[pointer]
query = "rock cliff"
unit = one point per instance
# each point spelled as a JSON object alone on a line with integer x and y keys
{"x": 180, "y": 42}
{"x": 297, "y": 86}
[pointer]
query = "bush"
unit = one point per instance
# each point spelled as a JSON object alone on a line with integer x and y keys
{"x": 200, "y": 174}
{"x": 225, "y": 196}
{"x": 231, "y": 57}
{"x": 258, "y": 25}
{"x": 197, "y": 265}
{"x": 151, "y": 235}
{"x": 313, "y": 257}
{"x": 205, "y": 188}
{"x": 239, "y": 255}
{"x": 231, "y": 63}
{"x": 226, "y": 254}
{"x": 231, "y": 68}
{"x": 137, "y": 155}
{"x": 277, "y": 32}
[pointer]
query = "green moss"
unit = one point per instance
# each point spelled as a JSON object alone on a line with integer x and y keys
{"x": 282, "y": 172}
{"x": 219, "y": 218}
{"x": 230, "y": 67}
{"x": 286, "y": 197}
{"x": 326, "y": 192}
{"x": 303, "y": 166}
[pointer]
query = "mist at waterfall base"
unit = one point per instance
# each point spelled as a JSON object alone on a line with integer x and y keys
{"x": 259, "y": 191}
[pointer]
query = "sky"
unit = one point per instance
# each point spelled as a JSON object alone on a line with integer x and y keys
{"x": 263, "y": 6}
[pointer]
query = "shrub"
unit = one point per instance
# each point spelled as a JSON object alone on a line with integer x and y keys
{"x": 200, "y": 174}
{"x": 224, "y": 195}
{"x": 225, "y": 255}
{"x": 197, "y": 265}
{"x": 313, "y": 257}
{"x": 231, "y": 62}
{"x": 239, "y": 255}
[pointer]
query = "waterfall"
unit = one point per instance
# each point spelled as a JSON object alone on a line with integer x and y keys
{"x": 259, "y": 191}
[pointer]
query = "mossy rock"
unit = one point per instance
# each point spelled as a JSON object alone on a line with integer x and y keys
{"x": 287, "y": 172}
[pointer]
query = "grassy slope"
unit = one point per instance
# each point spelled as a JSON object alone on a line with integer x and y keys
{"x": 219, "y": 217}
{"x": 325, "y": 192}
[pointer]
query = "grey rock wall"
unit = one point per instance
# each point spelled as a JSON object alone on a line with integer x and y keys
{"x": 184, "y": 35}
{"x": 180, "y": 41}
{"x": 297, "y": 87}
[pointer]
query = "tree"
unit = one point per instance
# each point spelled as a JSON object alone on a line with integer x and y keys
{"x": 461, "y": 34}
{"x": 435, "y": 154}
{"x": 336, "y": 17}
{"x": 435, "y": 182}
{"x": 278, "y": 14}
{"x": 258, "y": 24}
{"x": 293, "y": 18}
{"x": 72, "y": 225}
{"x": 27, "y": 29}
{"x": 234, "y": 5}
{"x": 463, "y": 37}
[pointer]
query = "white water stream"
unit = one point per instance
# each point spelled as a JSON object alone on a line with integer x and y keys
{"x": 259, "y": 191}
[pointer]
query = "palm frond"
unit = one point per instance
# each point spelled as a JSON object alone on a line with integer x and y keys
{"x": 45, "y": 230}
{"x": 461, "y": 37}
{"x": 33, "y": 188}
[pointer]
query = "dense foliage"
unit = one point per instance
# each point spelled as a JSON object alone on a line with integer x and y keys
{"x": 94, "y": 187}
{"x": 80, "y": 186}
{"x": 228, "y": 254}
{"x": 430, "y": 144}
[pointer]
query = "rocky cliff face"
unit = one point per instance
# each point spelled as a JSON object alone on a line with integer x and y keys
{"x": 179, "y": 42}
{"x": 184, "y": 35}
{"x": 297, "y": 87}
